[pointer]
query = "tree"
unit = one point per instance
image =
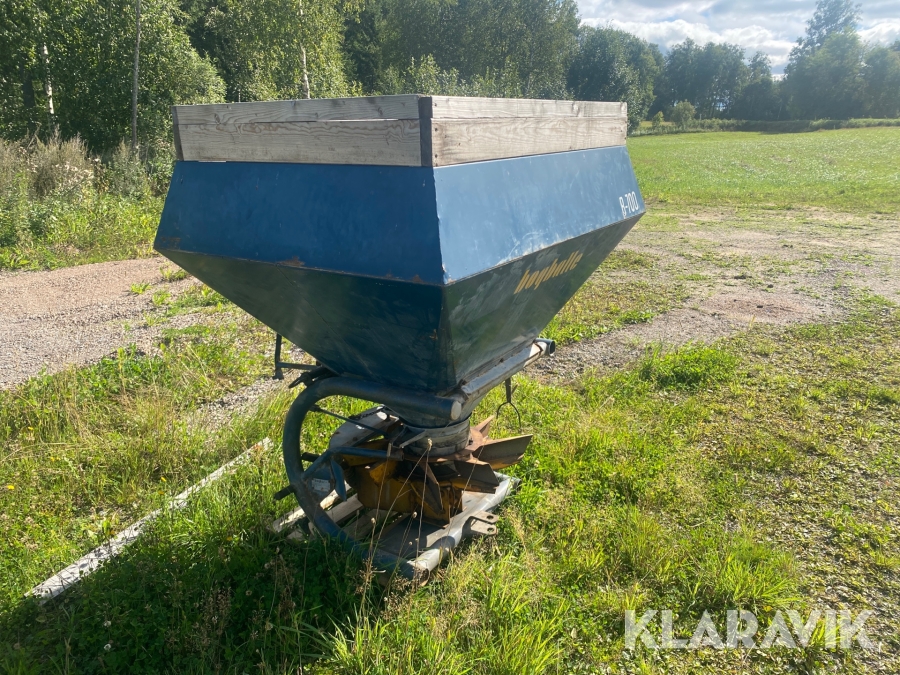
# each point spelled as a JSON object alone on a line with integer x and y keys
{"x": 23, "y": 106}
{"x": 829, "y": 83}
{"x": 759, "y": 99}
{"x": 831, "y": 73}
{"x": 612, "y": 65}
{"x": 91, "y": 47}
{"x": 258, "y": 46}
{"x": 85, "y": 49}
{"x": 426, "y": 77}
{"x": 362, "y": 47}
{"x": 824, "y": 76}
{"x": 710, "y": 77}
{"x": 881, "y": 75}
{"x": 831, "y": 16}
{"x": 683, "y": 114}
{"x": 136, "y": 81}
{"x": 526, "y": 41}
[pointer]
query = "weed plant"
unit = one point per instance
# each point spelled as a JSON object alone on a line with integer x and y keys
{"x": 58, "y": 206}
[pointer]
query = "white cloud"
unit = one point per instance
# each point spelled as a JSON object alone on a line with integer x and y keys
{"x": 885, "y": 32}
{"x": 770, "y": 26}
{"x": 668, "y": 33}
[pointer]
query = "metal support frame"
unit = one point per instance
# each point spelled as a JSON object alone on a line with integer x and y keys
{"x": 449, "y": 408}
{"x": 280, "y": 365}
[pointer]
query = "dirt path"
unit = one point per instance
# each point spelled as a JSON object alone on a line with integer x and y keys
{"x": 76, "y": 315}
{"x": 740, "y": 268}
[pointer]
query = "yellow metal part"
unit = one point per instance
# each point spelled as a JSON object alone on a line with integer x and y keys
{"x": 431, "y": 486}
{"x": 378, "y": 487}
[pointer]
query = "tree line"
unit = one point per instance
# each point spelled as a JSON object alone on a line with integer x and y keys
{"x": 66, "y": 65}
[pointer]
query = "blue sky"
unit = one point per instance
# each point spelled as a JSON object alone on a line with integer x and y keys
{"x": 771, "y": 26}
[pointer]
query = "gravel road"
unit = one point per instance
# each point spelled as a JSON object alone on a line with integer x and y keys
{"x": 75, "y": 315}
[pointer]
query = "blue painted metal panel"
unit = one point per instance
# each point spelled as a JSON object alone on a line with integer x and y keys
{"x": 492, "y": 312}
{"x": 494, "y": 212}
{"x": 376, "y": 221}
{"x": 352, "y": 264}
{"x": 381, "y": 330}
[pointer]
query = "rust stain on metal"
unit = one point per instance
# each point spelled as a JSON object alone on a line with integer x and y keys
{"x": 433, "y": 486}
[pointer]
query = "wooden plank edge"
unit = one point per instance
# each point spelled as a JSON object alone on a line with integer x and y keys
{"x": 179, "y": 155}
{"x": 92, "y": 561}
{"x": 402, "y": 106}
{"x": 471, "y": 107}
{"x": 425, "y": 130}
{"x": 457, "y": 141}
{"x": 374, "y": 142}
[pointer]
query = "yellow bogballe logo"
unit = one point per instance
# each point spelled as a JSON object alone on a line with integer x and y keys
{"x": 530, "y": 280}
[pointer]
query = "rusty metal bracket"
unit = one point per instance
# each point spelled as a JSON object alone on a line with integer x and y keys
{"x": 482, "y": 523}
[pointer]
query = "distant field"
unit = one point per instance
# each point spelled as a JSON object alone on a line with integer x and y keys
{"x": 845, "y": 170}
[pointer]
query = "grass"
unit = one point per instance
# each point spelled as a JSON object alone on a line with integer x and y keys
{"x": 624, "y": 291}
{"x": 60, "y": 207}
{"x": 845, "y": 170}
{"x": 89, "y": 449}
{"x": 770, "y": 127}
{"x": 95, "y": 228}
{"x": 663, "y": 485}
{"x": 758, "y": 472}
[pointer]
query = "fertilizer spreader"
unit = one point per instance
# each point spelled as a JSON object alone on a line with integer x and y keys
{"x": 415, "y": 246}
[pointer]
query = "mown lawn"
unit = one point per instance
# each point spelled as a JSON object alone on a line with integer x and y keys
{"x": 843, "y": 170}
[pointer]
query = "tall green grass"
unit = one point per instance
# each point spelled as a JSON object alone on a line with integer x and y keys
{"x": 643, "y": 489}
{"x": 86, "y": 451}
{"x": 58, "y": 206}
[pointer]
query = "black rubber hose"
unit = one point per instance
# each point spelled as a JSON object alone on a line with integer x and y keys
{"x": 368, "y": 391}
{"x": 425, "y": 404}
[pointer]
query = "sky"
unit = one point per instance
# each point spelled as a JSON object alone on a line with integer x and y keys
{"x": 770, "y": 26}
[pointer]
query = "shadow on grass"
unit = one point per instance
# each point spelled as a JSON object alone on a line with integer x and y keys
{"x": 223, "y": 597}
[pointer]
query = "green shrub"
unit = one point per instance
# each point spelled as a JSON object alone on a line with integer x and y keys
{"x": 59, "y": 168}
{"x": 689, "y": 368}
{"x": 60, "y": 206}
{"x": 683, "y": 114}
